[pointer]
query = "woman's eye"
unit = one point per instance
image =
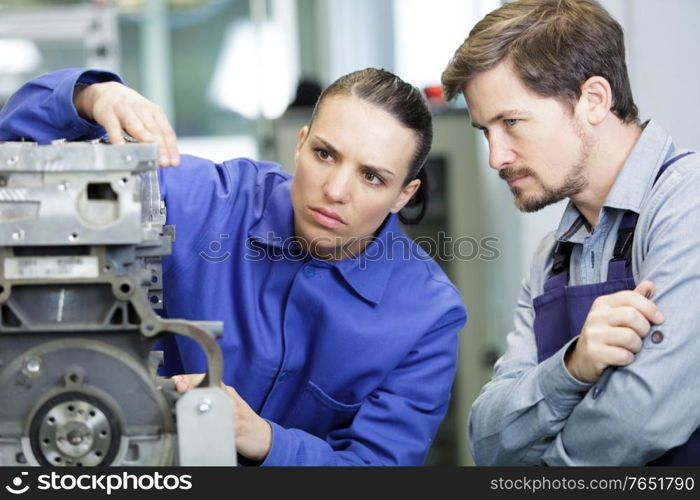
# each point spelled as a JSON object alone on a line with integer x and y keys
{"x": 323, "y": 154}
{"x": 511, "y": 122}
{"x": 373, "y": 178}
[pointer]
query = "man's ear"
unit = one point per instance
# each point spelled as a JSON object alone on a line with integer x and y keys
{"x": 406, "y": 192}
{"x": 303, "y": 132}
{"x": 596, "y": 100}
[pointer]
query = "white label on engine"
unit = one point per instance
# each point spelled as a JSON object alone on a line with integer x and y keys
{"x": 25, "y": 268}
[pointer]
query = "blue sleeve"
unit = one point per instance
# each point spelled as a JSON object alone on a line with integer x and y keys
{"x": 42, "y": 109}
{"x": 397, "y": 422}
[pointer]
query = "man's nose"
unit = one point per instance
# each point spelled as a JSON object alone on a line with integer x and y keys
{"x": 501, "y": 153}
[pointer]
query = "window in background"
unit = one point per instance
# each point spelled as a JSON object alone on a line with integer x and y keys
{"x": 257, "y": 66}
{"x": 427, "y": 34}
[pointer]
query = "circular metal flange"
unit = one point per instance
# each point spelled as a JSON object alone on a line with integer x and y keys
{"x": 74, "y": 429}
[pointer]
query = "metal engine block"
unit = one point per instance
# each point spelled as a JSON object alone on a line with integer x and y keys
{"x": 82, "y": 234}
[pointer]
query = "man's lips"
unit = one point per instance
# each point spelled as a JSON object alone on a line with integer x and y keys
{"x": 326, "y": 218}
{"x": 515, "y": 179}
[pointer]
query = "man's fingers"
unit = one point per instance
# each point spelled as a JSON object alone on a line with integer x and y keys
{"x": 633, "y": 299}
{"x": 646, "y": 289}
{"x": 617, "y": 356}
{"x": 628, "y": 316}
{"x": 626, "y": 338}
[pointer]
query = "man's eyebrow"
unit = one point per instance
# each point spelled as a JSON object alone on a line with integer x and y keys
{"x": 500, "y": 116}
{"x": 332, "y": 150}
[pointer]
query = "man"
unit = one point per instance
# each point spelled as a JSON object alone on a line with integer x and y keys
{"x": 595, "y": 372}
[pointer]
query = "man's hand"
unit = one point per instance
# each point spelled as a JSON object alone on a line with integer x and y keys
{"x": 253, "y": 433}
{"x": 613, "y": 332}
{"x": 118, "y": 108}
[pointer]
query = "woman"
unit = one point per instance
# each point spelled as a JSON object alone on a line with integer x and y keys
{"x": 340, "y": 335}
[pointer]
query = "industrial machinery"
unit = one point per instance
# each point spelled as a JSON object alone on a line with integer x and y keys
{"x": 82, "y": 234}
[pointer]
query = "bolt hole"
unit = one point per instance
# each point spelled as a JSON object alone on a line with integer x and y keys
{"x": 79, "y": 464}
{"x": 71, "y": 407}
{"x": 98, "y": 453}
{"x": 125, "y": 288}
{"x": 154, "y": 299}
{"x": 52, "y": 420}
{"x": 92, "y": 413}
{"x": 58, "y": 459}
{"x": 103, "y": 433}
{"x": 154, "y": 279}
{"x": 107, "y": 268}
{"x": 73, "y": 236}
{"x": 74, "y": 378}
{"x": 46, "y": 440}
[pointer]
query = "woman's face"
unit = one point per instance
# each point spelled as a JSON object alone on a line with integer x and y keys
{"x": 350, "y": 171}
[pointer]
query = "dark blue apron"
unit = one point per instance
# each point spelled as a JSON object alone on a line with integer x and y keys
{"x": 561, "y": 310}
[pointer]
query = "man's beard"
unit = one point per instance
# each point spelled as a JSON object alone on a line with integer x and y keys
{"x": 573, "y": 184}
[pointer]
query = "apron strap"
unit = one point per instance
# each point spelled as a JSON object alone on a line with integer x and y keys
{"x": 620, "y": 266}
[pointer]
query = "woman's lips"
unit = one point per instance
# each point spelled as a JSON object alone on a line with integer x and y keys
{"x": 326, "y": 218}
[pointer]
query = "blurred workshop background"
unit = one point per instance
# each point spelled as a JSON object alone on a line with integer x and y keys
{"x": 236, "y": 78}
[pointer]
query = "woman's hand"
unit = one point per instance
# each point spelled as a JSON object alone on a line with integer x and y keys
{"x": 253, "y": 433}
{"x": 118, "y": 108}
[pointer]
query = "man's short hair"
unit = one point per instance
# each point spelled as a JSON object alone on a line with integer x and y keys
{"x": 553, "y": 45}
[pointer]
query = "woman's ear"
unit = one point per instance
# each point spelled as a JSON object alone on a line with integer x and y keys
{"x": 406, "y": 192}
{"x": 300, "y": 142}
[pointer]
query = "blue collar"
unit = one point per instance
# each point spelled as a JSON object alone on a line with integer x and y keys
{"x": 367, "y": 274}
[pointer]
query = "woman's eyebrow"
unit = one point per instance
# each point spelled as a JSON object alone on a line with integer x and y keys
{"x": 332, "y": 150}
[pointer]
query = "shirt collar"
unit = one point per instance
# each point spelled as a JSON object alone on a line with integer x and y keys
{"x": 640, "y": 168}
{"x": 632, "y": 184}
{"x": 276, "y": 224}
{"x": 367, "y": 274}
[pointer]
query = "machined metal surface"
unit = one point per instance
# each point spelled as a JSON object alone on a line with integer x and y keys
{"x": 82, "y": 235}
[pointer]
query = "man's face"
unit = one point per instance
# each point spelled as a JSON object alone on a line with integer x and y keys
{"x": 536, "y": 143}
{"x": 350, "y": 172}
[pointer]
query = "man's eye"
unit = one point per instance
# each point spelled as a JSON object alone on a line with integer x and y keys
{"x": 511, "y": 122}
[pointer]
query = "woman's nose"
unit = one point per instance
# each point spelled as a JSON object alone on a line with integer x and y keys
{"x": 337, "y": 186}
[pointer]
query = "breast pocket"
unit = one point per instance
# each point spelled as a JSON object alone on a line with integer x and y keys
{"x": 319, "y": 414}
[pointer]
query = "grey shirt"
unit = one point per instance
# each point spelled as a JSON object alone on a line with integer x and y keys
{"x": 536, "y": 414}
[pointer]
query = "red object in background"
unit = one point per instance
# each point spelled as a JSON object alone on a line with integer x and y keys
{"x": 434, "y": 95}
